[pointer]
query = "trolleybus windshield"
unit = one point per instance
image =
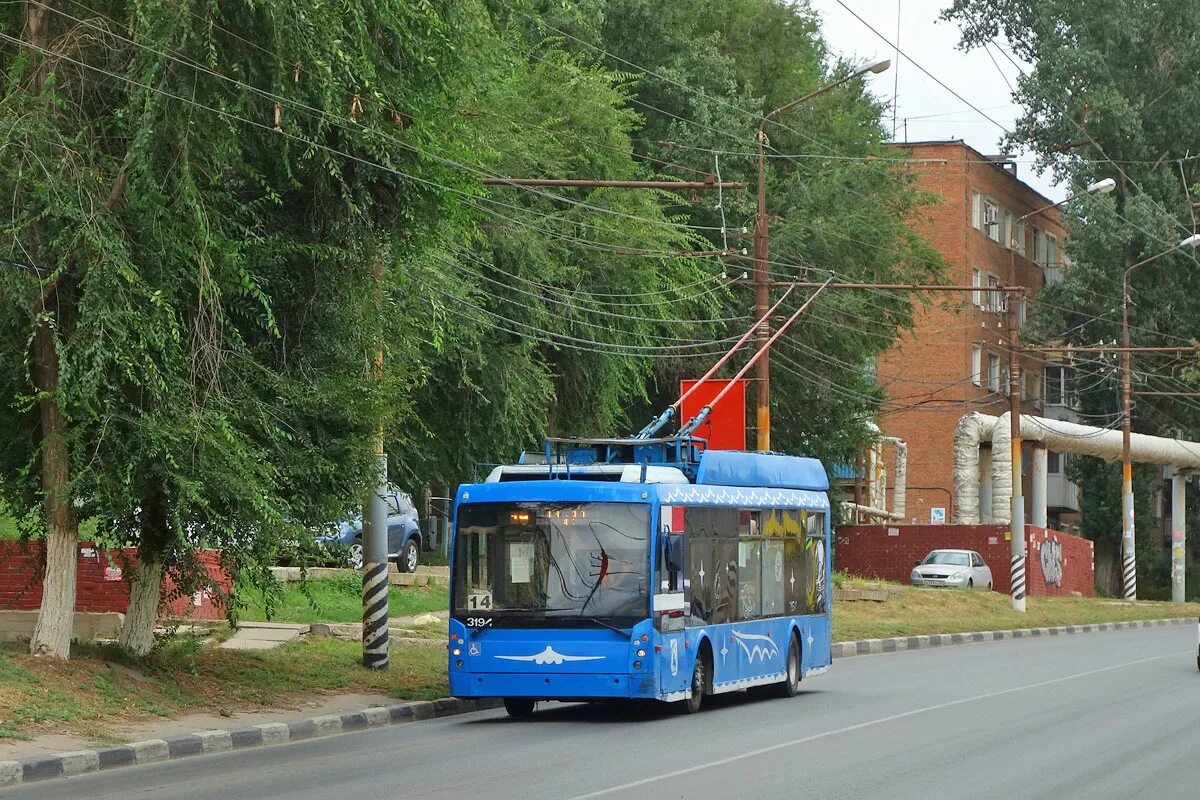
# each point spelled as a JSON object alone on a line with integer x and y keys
{"x": 521, "y": 563}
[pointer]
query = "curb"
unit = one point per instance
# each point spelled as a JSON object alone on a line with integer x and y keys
{"x": 864, "y": 647}
{"x": 80, "y": 762}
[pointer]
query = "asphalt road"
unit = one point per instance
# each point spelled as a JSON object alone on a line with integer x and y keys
{"x": 1101, "y": 715}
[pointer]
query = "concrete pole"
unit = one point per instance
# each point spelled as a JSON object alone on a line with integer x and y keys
{"x": 1038, "y": 490}
{"x": 375, "y": 530}
{"x": 375, "y": 573}
{"x": 1128, "y": 538}
{"x": 1017, "y": 517}
{"x": 1178, "y": 535}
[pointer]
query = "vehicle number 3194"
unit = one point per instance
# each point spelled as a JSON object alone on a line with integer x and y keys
{"x": 478, "y": 622}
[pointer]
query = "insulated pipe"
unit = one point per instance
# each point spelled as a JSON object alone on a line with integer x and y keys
{"x": 1063, "y": 437}
{"x": 901, "y": 476}
{"x": 1178, "y": 534}
{"x": 972, "y": 429}
{"x": 1037, "y": 495}
{"x": 870, "y": 511}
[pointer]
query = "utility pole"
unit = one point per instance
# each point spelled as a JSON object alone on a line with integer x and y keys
{"x": 1128, "y": 538}
{"x": 1129, "y": 566}
{"x": 375, "y": 527}
{"x": 1017, "y": 551}
{"x": 762, "y": 247}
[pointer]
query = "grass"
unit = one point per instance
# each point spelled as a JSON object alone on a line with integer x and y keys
{"x": 340, "y": 600}
{"x": 99, "y": 689}
{"x": 924, "y": 611}
{"x": 96, "y": 690}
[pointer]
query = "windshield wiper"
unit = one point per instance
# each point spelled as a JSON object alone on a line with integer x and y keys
{"x": 596, "y": 620}
{"x": 602, "y": 623}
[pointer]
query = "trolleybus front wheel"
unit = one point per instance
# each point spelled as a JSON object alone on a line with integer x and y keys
{"x": 693, "y": 703}
{"x": 519, "y": 707}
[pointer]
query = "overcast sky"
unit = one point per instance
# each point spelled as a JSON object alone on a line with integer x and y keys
{"x": 925, "y": 110}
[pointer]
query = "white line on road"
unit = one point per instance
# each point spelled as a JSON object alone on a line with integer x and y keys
{"x": 784, "y": 745}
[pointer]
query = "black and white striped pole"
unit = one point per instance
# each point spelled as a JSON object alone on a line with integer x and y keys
{"x": 375, "y": 573}
{"x": 375, "y": 529}
{"x": 1128, "y": 528}
{"x": 1017, "y": 512}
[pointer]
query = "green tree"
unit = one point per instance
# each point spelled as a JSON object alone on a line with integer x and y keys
{"x": 202, "y": 300}
{"x": 838, "y": 199}
{"x": 1112, "y": 93}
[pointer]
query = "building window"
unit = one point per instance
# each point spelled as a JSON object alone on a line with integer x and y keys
{"x": 1021, "y": 312}
{"x": 977, "y": 365}
{"x": 1006, "y": 234}
{"x": 1051, "y": 251}
{"x": 1035, "y": 385}
{"x": 976, "y": 211}
{"x": 994, "y": 301}
{"x": 977, "y": 280}
{"x": 1053, "y": 463}
{"x": 993, "y": 372}
{"x": 1019, "y": 237}
{"x": 1056, "y": 381}
{"x": 991, "y": 219}
{"x": 1039, "y": 247}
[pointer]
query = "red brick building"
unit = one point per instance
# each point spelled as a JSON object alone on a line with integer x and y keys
{"x": 955, "y": 360}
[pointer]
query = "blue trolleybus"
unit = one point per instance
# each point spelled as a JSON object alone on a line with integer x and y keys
{"x": 634, "y": 568}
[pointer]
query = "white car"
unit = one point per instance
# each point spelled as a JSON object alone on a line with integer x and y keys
{"x": 962, "y": 569}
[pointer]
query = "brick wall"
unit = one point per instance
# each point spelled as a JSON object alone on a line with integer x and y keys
{"x": 927, "y": 374}
{"x": 101, "y": 581}
{"x": 890, "y": 551}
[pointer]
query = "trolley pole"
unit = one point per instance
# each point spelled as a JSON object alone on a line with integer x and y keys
{"x": 375, "y": 533}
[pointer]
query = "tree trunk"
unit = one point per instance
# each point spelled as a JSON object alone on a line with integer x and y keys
{"x": 145, "y": 585}
{"x": 137, "y": 632}
{"x": 52, "y": 635}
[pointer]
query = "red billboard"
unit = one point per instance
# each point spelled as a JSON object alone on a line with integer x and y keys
{"x": 725, "y": 428}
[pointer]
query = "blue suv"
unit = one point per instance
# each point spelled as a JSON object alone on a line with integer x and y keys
{"x": 404, "y": 534}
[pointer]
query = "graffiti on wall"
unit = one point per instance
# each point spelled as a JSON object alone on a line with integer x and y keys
{"x": 1052, "y": 562}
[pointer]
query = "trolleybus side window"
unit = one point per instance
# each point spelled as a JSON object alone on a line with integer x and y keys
{"x": 771, "y": 528}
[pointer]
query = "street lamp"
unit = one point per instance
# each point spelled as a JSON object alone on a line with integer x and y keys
{"x": 762, "y": 286}
{"x": 1017, "y": 513}
{"x": 1128, "y": 552}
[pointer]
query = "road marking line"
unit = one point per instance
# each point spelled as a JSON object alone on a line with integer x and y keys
{"x": 784, "y": 745}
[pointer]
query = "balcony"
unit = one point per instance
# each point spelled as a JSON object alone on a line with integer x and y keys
{"x": 1061, "y": 494}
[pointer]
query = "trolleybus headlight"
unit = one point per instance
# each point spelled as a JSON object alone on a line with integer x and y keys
{"x": 637, "y": 665}
{"x": 641, "y": 653}
{"x": 457, "y": 652}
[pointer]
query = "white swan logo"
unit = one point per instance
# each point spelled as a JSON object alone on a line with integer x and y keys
{"x": 756, "y": 651}
{"x": 548, "y": 656}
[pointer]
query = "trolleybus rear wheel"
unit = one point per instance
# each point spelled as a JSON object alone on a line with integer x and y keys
{"x": 692, "y": 704}
{"x": 791, "y": 684}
